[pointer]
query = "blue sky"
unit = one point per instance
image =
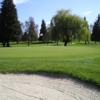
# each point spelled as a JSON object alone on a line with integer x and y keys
{"x": 45, "y": 9}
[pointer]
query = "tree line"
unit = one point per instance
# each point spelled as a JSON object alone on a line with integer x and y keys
{"x": 64, "y": 26}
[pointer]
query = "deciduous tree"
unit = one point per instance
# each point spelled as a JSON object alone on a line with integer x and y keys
{"x": 65, "y": 26}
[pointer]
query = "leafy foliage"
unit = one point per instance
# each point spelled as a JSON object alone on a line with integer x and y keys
{"x": 65, "y": 26}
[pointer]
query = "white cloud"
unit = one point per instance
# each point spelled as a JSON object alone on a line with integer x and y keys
{"x": 20, "y": 1}
{"x": 87, "y": 13}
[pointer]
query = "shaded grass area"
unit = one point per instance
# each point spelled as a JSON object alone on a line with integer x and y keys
{"x": 82, "y": 62}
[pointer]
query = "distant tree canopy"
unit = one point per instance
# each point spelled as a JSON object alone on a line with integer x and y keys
{"x": 65, "y": 27}
{"x": 9, "y": 25}
{"x": 96, "y": 30}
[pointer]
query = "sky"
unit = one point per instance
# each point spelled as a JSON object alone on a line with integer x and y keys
{"x": 46, "y": 9}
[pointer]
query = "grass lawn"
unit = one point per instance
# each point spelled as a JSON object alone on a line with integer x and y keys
{"x": 79, "y": 61}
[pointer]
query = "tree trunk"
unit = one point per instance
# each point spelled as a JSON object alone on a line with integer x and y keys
{"x": 65, "y": 43}
{"x": 28, "y": 43}
{"x": 3, "y": 43}
{"x": 8, "y": 44}
{"x": 85, "y": 42}
{"x": 57, "y": 43}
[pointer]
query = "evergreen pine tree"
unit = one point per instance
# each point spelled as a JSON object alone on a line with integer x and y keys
{"x": 43, "y": 31}
{"x": 96, "y": 30}
{"x": 9, "y": 25}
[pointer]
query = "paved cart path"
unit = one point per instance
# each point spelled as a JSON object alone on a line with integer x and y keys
{"x": 38, "y": 87}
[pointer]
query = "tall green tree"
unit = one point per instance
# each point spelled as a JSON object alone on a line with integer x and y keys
{"x": 9, "y": 25}
{"x": 85, "y": 32}
{"x": 59, "y": 26}
{"x": 85, "y": 35}
{"x": 30, "y": 31}
{"x": 43, "y": 31}
{"x": 96, "y": 30}
{"x": 65, "y": 26}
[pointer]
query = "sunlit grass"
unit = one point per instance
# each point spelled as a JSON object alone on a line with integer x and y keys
{"x": 79, "y": 61}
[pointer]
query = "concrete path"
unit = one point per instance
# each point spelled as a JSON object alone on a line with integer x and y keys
{"x": 36, "y": 87}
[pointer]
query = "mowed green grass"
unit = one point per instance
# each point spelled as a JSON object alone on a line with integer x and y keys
{"x": 81, "y": 61}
